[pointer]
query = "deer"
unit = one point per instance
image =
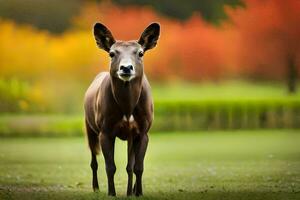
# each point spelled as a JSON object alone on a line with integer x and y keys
{"x": 119, "y": 104}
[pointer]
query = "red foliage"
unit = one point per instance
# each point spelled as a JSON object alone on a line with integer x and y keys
{"x": 268, "y": 33}
{"x": 255, "y": 40}
{"x": 192, "y": 50}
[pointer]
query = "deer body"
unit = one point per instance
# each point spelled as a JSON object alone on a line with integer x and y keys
{"x": 118, "y": 103}
{"x": 130, "y": 115}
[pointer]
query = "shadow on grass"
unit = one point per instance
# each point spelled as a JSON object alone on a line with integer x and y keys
{"x": 25, "y": 192}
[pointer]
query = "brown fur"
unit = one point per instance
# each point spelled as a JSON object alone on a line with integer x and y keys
{"x": 118, "y": 105}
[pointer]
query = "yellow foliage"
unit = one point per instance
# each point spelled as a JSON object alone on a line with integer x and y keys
{"x": 31, "y": 54}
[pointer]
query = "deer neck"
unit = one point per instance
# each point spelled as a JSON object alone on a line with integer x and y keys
{"x": 126, "y": 94}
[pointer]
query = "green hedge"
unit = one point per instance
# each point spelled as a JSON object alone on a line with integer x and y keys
{"x": 41, "y": 125}
{"x": 227, "y": 114}
{"x": 171, "y": 116}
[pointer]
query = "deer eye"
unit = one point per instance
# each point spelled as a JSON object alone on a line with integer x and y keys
{"x": 141, "y": 54}
{"x": 111, "y": 54}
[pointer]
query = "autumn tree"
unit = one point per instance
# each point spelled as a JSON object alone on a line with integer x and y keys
{"x": 269, "y": 42}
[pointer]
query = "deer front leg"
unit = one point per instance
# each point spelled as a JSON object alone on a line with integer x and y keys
{"x": 140, "y": 151}
{"x": 107, "y": 145}
{"x": 130, "y": 164}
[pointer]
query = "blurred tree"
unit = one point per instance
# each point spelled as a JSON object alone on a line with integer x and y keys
{"x": 259, "y": 40}
{"x": 291, "y": 73}
{"x": 269, "y": 42}
{"x": 211, "y": 11}
{"x": 54, "y": 15}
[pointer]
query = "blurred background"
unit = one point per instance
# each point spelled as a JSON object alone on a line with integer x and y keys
{"x": 224, "y": 78}
{"x": 225, "y": 64}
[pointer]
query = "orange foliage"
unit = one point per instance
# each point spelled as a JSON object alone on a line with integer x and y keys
{"x": 191, "y": 50}
{"x": 268, "y": 33}
{"x": 255, "y": 41}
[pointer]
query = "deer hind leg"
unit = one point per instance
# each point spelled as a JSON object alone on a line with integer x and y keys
{"x": 94, "y": 144}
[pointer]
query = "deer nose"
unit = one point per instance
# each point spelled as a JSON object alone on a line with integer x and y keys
{"x": 126, "y": 69}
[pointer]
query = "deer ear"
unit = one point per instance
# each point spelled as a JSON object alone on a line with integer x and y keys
{"x": 150, "y": 36}
{"x": 103, "y": 36}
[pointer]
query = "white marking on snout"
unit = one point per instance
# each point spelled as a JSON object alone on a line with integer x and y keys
{"x": 126, "y": 62}
{"x": 129, "y": 78}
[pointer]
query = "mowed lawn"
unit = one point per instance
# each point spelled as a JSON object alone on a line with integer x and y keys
{"x": 202, "y": 165}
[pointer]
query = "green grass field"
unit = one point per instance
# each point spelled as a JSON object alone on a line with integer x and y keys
{"x": 205, "y": 165}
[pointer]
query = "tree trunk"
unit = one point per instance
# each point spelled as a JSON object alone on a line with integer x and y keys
{"x": 291, "y": 74}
